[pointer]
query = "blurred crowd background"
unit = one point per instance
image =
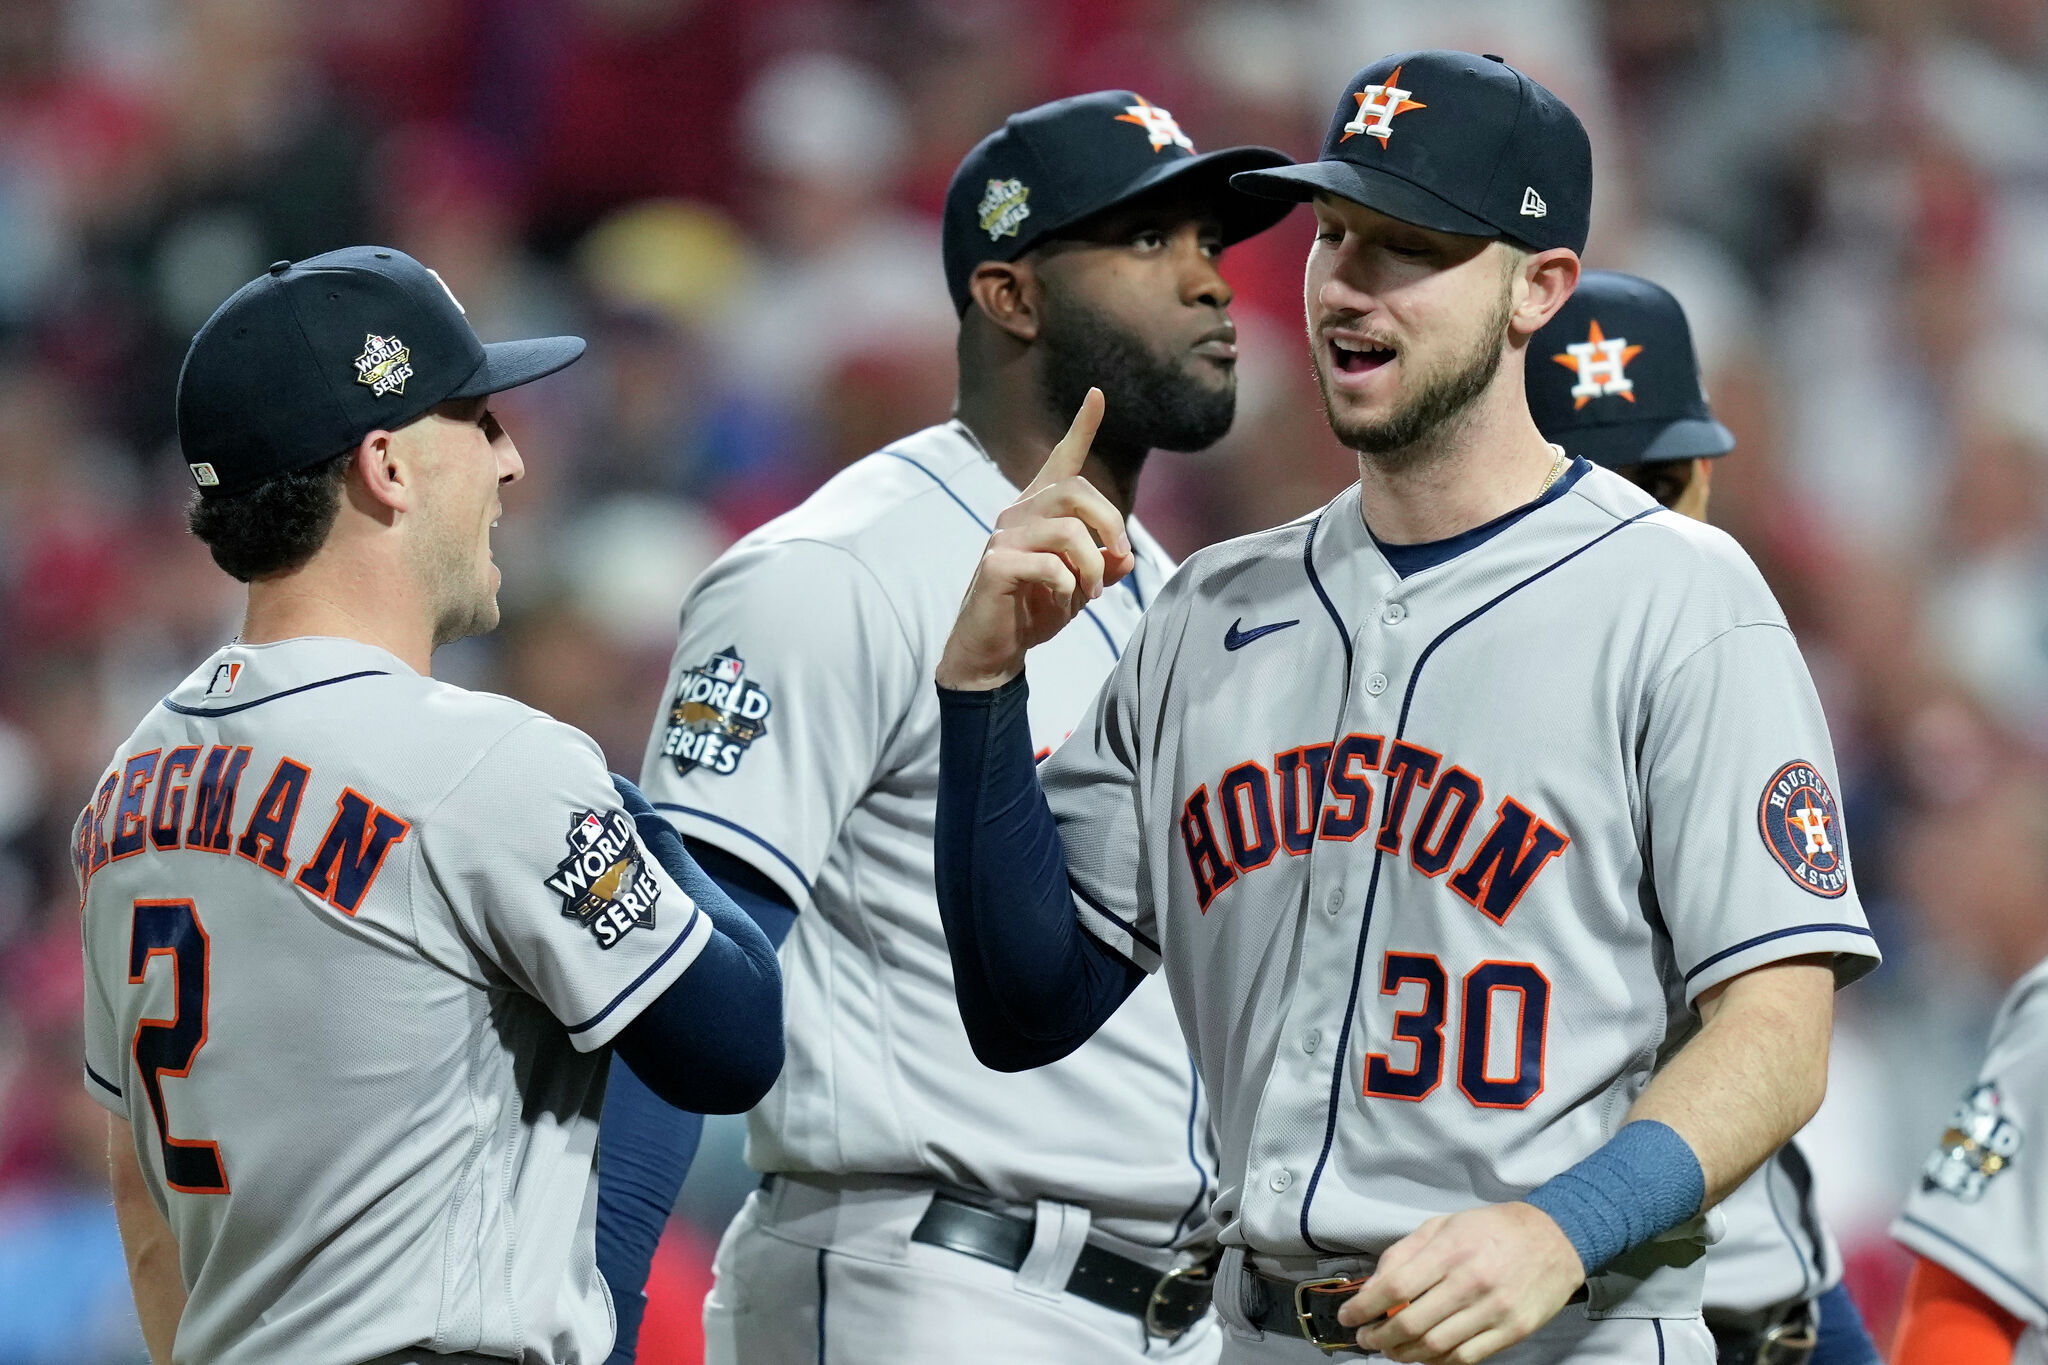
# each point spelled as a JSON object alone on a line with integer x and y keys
{"x": 737, "y": 203}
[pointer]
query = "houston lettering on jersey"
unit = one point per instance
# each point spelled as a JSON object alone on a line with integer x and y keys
{"x": 143, "y": 805}
{"x": 1326, "y": 792}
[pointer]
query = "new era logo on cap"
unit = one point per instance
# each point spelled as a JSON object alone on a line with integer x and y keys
{"x": 1532, "y": 203}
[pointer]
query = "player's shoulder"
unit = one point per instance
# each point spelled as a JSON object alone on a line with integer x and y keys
{"x": 1223, "y": 562}
{"x": 1668, "y": 555}
{"x": 914, "y": 500}
{"x": 2023, "y": 1016}
{"x": 349, "y": 705}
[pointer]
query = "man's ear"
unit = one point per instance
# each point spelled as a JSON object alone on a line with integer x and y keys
{"x": 1008, "y": 294}
{"x": 1547, "y": 279}
{"x": 383, "y": 478}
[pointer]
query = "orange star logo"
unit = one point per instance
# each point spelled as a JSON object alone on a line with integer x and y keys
{"x": 1377, "y": 105}
{"x": 1157, "y": 123}
{"x": 1601, "y": 363}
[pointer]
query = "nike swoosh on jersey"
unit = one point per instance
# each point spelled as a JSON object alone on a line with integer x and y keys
{"x": 1235, "y": 638}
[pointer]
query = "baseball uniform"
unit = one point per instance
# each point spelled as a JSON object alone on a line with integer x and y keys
{"x": 1981, "y": 1202}
{"x": 1437, "y": 860}
{"x": 802, "y": 736}
{"x": 1613, "y": 377}
{"x": 355, "y": 943}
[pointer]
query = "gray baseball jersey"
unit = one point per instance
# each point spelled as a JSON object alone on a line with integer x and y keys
{"x": 1437, "y": 864}
{"x": 353, "y": 941}
{"x": 1774, "y": 1248}
{"x": 802, "y": 735}
{"x": 1982, "y": 1200}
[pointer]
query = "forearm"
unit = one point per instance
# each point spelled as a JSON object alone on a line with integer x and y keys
{"x": 648, "y": 1145}
{"x": 1752, "y": 1076}
{"x": 151, "y": 1250}
{"x": 1032, "y": 985}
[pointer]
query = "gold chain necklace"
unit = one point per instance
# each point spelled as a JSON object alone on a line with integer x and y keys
{"x": 1557, "y": 467}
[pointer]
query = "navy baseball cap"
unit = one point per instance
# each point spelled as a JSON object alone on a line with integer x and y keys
{"x": 1613, "y": 377}
{"x": 306, "y": 359}
{"x": 1048, "y": 168}
{"x": 1454, "y": 142}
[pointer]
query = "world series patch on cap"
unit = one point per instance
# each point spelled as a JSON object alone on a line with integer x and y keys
{"x": 306, "y": 359}
{"x": 1453, "y": 142}
{"x": 1048, "y": 168}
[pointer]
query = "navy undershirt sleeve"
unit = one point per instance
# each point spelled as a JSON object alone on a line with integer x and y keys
{"x": 646, "y": 1143}
{"x": 1032, "y": 984}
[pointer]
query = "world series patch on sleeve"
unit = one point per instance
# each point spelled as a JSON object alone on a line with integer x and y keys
{"x": 604, "y": 881}
{"x": 1981, "y": 1140}
{"x": 717, "y": 713}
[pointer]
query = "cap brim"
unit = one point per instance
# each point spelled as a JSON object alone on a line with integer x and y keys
{"x": 1616, "y": 445}
{"x": 508, "y": 364}
{"x": 1376, "y": 189}
{"x": 1242, "y": 215}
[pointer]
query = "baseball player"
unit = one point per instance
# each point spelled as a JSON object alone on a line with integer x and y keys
{"x": 1979, "y": 1289}
{"x": 918, "y": 1205}
{"x": 358, "y": 943}
{"x": 1483, "y": 821}
{"x": 1623, "y": 390}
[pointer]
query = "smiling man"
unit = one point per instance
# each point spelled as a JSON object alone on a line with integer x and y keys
{"x": 920, "y": 1206}
{"x": 1482, "y": 822}
{"x": 360, "y": 944}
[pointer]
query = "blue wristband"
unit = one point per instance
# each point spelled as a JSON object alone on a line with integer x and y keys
{"x": 1644, "y": 1182}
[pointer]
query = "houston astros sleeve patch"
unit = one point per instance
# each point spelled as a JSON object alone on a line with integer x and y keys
{"x": 1803, "y": 829}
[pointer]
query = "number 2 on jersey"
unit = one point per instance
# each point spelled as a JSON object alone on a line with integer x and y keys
{"x": 1423, "y": 1030}
{"x": 166, "y": 1047}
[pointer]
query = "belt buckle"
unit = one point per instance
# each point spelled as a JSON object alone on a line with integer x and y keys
{"x": 1791, "y": 1342}
{"x": 1305, "y": 1316}
{"x": 1158, "y": 1300}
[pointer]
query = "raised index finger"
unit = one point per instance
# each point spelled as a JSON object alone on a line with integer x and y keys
{"x": 1072, "y": 452}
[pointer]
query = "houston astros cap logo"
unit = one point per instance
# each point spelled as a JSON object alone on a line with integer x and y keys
{"x": 1157, "y": 123}
{"x": 1600, "y": 362}
{"x": 1377, "y": 105}
{"x": 385, "y": 364}
{"x": 1800, "y": 825}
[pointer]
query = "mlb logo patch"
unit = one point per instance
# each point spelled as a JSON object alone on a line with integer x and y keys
{"x": 203, "y": 475}
{"x": 224, "y": 679}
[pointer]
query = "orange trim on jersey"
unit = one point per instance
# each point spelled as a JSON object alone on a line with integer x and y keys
{"x": 1407, "y": 767}
{"x": 1434, "y": 845}
{"x": 1485, "y": 1040}
{"x": 277, "y": 804}
{"x": 128, "y": 815}
{"x": 205, "y": 1011}
{"x": 1379, "y": 1066}
{"x": 1231, "y": 793}
{"x": 1947, "y": 1320}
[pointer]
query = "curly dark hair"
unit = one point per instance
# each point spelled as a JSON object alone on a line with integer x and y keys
{"x": 275, "y": 526}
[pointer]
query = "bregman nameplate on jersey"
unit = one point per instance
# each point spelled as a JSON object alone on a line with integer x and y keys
{"x": 604, "y": 882}
{"x": 717, "y": 713}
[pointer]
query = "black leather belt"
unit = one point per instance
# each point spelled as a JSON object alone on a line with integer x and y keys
{"x": 1786, "y": 1334}
{"x": 1308, "y": 1308}
{"x": 1168, "y": 1304}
